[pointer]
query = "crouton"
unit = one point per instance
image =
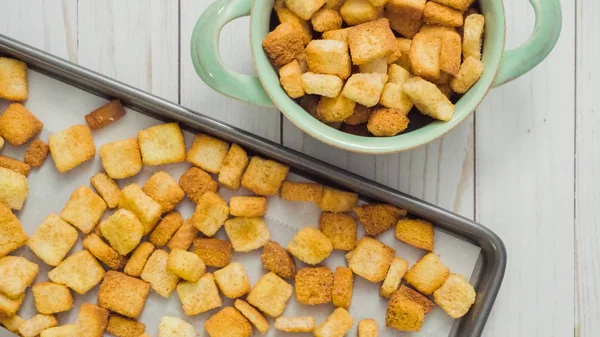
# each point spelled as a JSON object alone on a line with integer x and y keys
{"x": 455, "y": 296}
{"x": 233, "y": 280}
{"x": 264, "y": 176}
{"x": 404, "y": 60}
{"x": 393, "y": 278}
{"x": 122, "y": 230}
{"x": 436, "y": 30}
{"x": 1, "y": 143}
{"x": 283, "y": 43}
{"x": 123, "y": 294}
{"x": 404, "y": 314}
{"x": 186, "y": 265}
{"x": 334, "y": 4}
{"x": 396, "y": 73}
{"x": 162, "y": 144}
{"x": 161, "y": 279}
{"x": 328, "y": 57}
{"x": 337, "y": 201}
{"x": 213, "y": 252}
{"x": 371, "y": 259}
{"x": 387, "y": 122}
{"x": 15, "y": 165}
{"x": 365, "y": 89}
{"x": 121, "y": 159}
{"x": 52, "y": 240}
{"x": 408, "y": 293}
{"x": 403, "y": 24}
{"x": 198, "y": 297}
{"x": 470, "y": 72}
{"x": 247, "y": 234}
{"x": 304, "y": 9}
{"x": 368, "y": 328}
{"x": 472, "y": 36}
{"x": 182, "y": 239}
{"x": 379, "y": 65}
{"x": 428, "y": 274}
{"x": 336, "y": 325}
{"x": 355, "y": 12}
{"x": 310, "y": 245}
{"x": 13, "y": 80}
{"x": 36, "y": 153}
{"x": 337, "y": 34}
{"x": 290, "y": 76}
{"x": 424, "y": 56}
{"x": 253, "y": 315}
{"x": 141, "y": 205}
{"x": 228, "y": 323}
{"x": 450, "y": 55}
{"x": 278, "y": 260}
{"x": 103, "y": 252}
{"x": 446, "y": 89}
{"x": 105, "y": 115}
{"x": 359, "y": 116}
{"x": 71, "y": 147}
{"x": 428, "y": 98}
{"x": 342, "y": 289}
{"x": 166, "y": 228}
{"x": 107, "y": 188}
{"x": 91, "y": 320}
{"x": 208, "y": 153}
{"x": 17, "y": 123}
{"x": 285, "y": 15}
{"x": 13, "y": 322}
{"x": 270, "y": 295}
{"x": 461, "y": 5}
{"x": 295, "y": 191}
{"x": 295, "y": 324}
{"x": 14, "y": 188}
{"x": 138, "y": 259}
{"x": 234, "y": 164}
{"x": 326, "y": 19}
{"x": 67, "y": 330}
{"x": 335, "y": 109}
{"x": 9, "y": 306}
{"x": 195, "y": 182}
{"x": 80, "y": 272}
{"x": 84, "y": 209}
{"x": 396, "y": 53}
{"x": 123, "y": 327}
{"x": 164, "y": 190}
{"x": 211, "y": 213}
{"x": 415, "y": 232}
{"x": 175, "y": 327}
{"x": 393, "y": 97}
{"x": 313, "y": 285}
{"x": 17, "y": 274}
{"x": 247, "y": 206}
{"x": 51, "y": 298}
{"x": 436, "y": 14}
{"x": 378, "y": 218}
{"x": 340, "y": 229}
{"x": 320, "y": 84}
{"x": 34, "y": 326}
{"x": 371, "y": 40}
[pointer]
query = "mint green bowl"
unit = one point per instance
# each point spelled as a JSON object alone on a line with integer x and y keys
{"x": 499, "y": 67}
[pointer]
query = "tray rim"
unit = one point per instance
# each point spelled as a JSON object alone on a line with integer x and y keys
{"x": 493, "y": 251}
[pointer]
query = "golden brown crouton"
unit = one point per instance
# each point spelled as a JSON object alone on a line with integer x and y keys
{"x": 408, "y": 293}
{"x": 233, "y": 167}
{"x": 246, "y": 234}
{"x": 371, "y": 259}
{"x": 386, "y": 122}
{"x": 175, "y": 327}
{"x": 247, "y": 206}
{"x": 425, "y": 56}
{"x": 166, "y": 228}
{"x": 138, "y": 259}
{"x": 84, "y": 209}
{"x": 393, "y": 278}
{"x": 182, "y": 239}
{"x": 270, "y": 295}
{"x": 334, "y": 4}
{"x": 164, "y": 190}
{"x": 436, "y": 14}
{"x": 394, "y": 97}
{"x": 195, "y": 182}
{"x": 156, "y": 273}
{"x": 359, "y": 116}
{"x": 36, "y": 153}
{"x": 368, "y": 328}
{"x": 123, "y": 327}
{"x": 336, "y": 325}
{"x": 52, "y": 240}
{"x": 290, "y": 76}
{"x": 310, "y": 245}
{"x": 80, "y": 272}
{"x": 13, "y": 80}
{"x": 313, "y": 285}
{"x": 17, "y": 274}
{"x": 123, "y": 294}
{"x": 91, "y": 320}
{"x": 141, "y": 205}
{"x": 470, "y": 72}
{"x": 211, "y": 213}
{"x": 213, "y": 252}
{"x": 123, "y": 231}
{"x": 337, "y": 201}
{"x": 34, "y": 326}
{"x": 326, "y": 19}
{"x": 461, "y": 5}
{"x": 404, "y": 60}
{"x": 103, "y": 252}
{"x": 455, "y": 296}
{"x": 337, "y": 34}
{"x": 233, "y": 280}
{"x": 295, "y": 324}
{"x": 404, "y": 314}
{"x": 450, "y": 55}
{"x": 284, "y": 14}
{"x": 364, "y": 89}
{"x": 105, "y": 115}
{"x": 198, "y": 297}
{"x": 428, "y": 98}
{"x": 320, "y": 84}
{"x": 371, "y": 40}
{"x": 335, "y": 109}
{"x": 405, "y": 25}
{"x": 304, "y": 9}
{"x": 378, "y": 65}
{"x": 162, "y": 144}
{"x": 1, "y": 143}
{"x": 71, "y": 147}
{"x": 17, "y": 124}
{"x": 340, "y": 229}
{"x": 9, "y": 306}
{"x": 253, "y": 315}
{"x": 472, "y": 36}
{"x": 186, "y": 265}
{"x": 415, "y": 232}
{"x": 428, "y": 274}
{"x": 208, "y": 153}
{"x": 278, "y": 260}
{"x": 355, "y": 12}
{"x": 377, "y": 218}
{"x": 15, "y": 165}
{"x": 121, "y": 159}
{"x": 51, "y": 298}
{"x": 13, "y": 322}
{"x": 228, "y": 323}
{"x": 14, "y": 188}
{"x": 342, "y": 290}
{"x": 264, "y": 176}
{"x": 107, "y": 188}
{"x": 436, "y": 30}
{"x": 284, "y": 43}
{"x": 328, "y": 57}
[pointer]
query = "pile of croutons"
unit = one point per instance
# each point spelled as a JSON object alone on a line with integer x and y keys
{"x": 391, "y": 55}
{"x": 144, "y": 243}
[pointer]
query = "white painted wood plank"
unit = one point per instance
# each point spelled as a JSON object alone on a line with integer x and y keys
{"x": 235, "y": 52}
{"x": 524, "y": 185}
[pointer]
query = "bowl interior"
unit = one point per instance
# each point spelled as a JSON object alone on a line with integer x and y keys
{"x": 493, "y": 11}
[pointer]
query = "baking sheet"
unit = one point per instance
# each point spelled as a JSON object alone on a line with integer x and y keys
{"x": 60, "y": 106}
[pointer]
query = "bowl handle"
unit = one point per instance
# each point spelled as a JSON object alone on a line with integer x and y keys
{"x": 207, "y": 61}
{"x": 518, "y": 61}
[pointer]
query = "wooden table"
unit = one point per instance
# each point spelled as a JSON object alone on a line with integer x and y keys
{"x": 524, "y": 165}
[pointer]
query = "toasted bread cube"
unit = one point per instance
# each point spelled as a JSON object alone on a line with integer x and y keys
{"x": 313, "y": 285}
{"x": 365, "y": 89}
{"x": 84, "y": 209}
{"x": 235, "y": 163}
{"x": 304, "y": 9}
{"x": 424, "y": 56}
{"x": 198, "y": 297}
{"x": 141, "y": 205}
{"x": 334, "y": 4}
{"x": 396, "y": 73}
{"x": 371, "y": 40}
{"x": 9, "y": 306}
{"x": 428, "y": 274}
{"x": 335, "y": 109}
{"x": 121, "y": 159}
{"x": 378, "y": 218}
{"x": 15, "y": 165}
{"x": 186, "y": 265}
{"x": 182, "y": 239}
{"x": 51, "y": 298}
{"x": 470, "y": 72}
{"x": 336, "y": 325}
{"x": 295, "y": 191}
{"x": 404, "y": 314}
{"x": 123, "y": 294}
{"x": 80, "y": 272}
{"x": 277, "y": 260}
{"x": 162, "y": 144}
{"x": 342, "y": 290}
{"x": 403, "y": 23}
{"x": 228, "y": 323}
{"x": 379, "y": 65}
{"x": 283, "y": 43}
{"x": 36, "y": 153}
{"x": 166, "y": 228}
{"x": 253, "y": 315}
{"x": 17, "y": 124}
{"x": 105, "y": 115}
{"x": 103, "y": 252}
{"x": 409, "y": 293}
{"x": 436, "y": 14}
{"x": 393, "y": 278}
{"x": 1, "y": 143}
{"x": 355, "y": 12}
{"x": 436, "y": 30}
{"x": 428, "y": 98}
{"x": 404, "y": 60}
{"x": 270, "y": 295}
{"x": 123, "y": 327}
{"x": 337, "y": 201}
{"x": 71, "y": 147}
{"x": 13, "y": 80}
{"x": 310, "y": 245}
{"x": 211, "y": 213}
{"x": 123, "y": 231}
{"x": 13, "y": 322}
{"x": 14, "y": 188}
{"x": 107, "y": 188}
{"x": 285, "y": 15}
{"x": 295, "y": 324}
{"x": 326, "y": 19}
{"x": 368, "y": 328}
{"x": 138, "y": 259}
{"x": 175, "y": 327}
{"x": 415, "y": 232}
{"x": 208, "y": 153}
{"x": 472, "y": 36}
{"x": 340, "y": 229}
{"x": 53, "y": 239}
{"x": 371, "y": 259}
{"x": 386, "y": 122}
{"x": 195, "y": 182}
{"x": 91, "y": 320}
{"x": 450, "y": 55}
{"x": 290, "y": 76}
{"x": 247, "y": 234}
{"x": 161, "y": 279}
{"x": 461, "y": 5}
{"x": 248, "y": 206}
{"x": 394, "y": 97}
{"x": 455, "y": 296}
{"x": 337, "y": 34}
{"x": 164, "y": 190}
{"x": 359, "y": 116}
{"x": 213, "y": 252}
{"x": 34, "y": 326}
{"x": 320, "y": 84}
{"x": 233, "y": 280}
{"x": 328, "y": 57}
{"x": 17, "y": 274}
{"x": 264, "y": 176}
{"x": 395, "y": 55}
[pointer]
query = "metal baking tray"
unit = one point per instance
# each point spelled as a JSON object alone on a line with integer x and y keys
{"x": 491, "y": 264}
